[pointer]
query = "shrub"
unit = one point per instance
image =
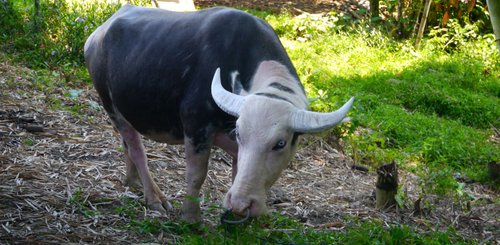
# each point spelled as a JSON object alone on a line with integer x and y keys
{"x": 53, "y": 34}
{"x": 305, "y": 26}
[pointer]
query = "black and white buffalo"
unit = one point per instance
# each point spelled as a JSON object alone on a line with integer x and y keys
{"x": 168, "y": 76}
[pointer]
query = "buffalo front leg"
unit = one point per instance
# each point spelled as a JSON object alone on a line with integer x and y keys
{"x": 136, "y": 161}
{"x": 196, "y": 172}
{"x": 230, "y": 146}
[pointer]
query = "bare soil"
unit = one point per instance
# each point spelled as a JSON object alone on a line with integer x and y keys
{"x": 48, "y": 156}
{"x": 294, "y": 7}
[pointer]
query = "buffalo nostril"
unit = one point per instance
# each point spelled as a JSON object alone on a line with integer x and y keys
{"x": 228, "y": 201}
{"x": 244, "y": 209}
{"x": 252, "y": 202}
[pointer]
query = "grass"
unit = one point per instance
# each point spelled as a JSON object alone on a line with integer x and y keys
{"x": 426, "y": 107}
{"x": 270, "y": 229}
{"x": 433, "y": 110}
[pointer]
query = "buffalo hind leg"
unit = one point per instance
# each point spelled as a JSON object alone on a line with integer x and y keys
{"x": 132, "y": 179}
{"x": 135, "y": 158}
{"x": 196, "y": 173}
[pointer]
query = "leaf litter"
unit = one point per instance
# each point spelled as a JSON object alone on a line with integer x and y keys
{"x": 61, "y": 179}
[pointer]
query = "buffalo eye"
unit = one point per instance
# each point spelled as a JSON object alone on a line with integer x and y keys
{"x": 279, "y": 145}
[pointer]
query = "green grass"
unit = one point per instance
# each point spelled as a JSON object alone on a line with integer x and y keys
{"x": 273, "y": 229}
{"x": 427, "y": 106}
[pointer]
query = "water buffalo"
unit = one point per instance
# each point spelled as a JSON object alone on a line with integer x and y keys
{"x": 195, "y": 78}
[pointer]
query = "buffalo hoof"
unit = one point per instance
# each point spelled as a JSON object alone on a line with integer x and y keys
{"x": 157, "y": 201}
{"x": 161, "y": 207}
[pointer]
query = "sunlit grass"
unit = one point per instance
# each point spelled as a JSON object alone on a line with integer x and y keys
{"x": 428, "y": 104}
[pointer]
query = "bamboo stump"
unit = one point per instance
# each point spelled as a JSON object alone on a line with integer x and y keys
{"x": 494, "y": 170}
{"x": 387, "y": 186}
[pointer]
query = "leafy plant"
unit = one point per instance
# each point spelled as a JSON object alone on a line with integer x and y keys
{"x": 53, "y": 34}
{"x": 305, "y": 26}
{"x": 28, "y": 142}
{"x": 80, "y": 202}
{"x": 129, "y": 207}
{"x": 453, "y": 35}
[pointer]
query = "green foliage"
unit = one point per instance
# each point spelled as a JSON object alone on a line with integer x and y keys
{"x": 28, "y": 142}
{"x": 400, "y": 26}
{"x": 304, "y": 27}
{"x": 278, "y": 229}
{"x": 52, "y": 35}
{"x": 442, "y": 181}
{"x": 372, "y": 232}
{"x": 400, "y": 196}
{"x": 273, "y": 228}
{"x": 438, "y": 141}
{"x": 129, "y": 208}
{"x": 431, "y": 108}
{"x": 454, "y": 35}
{"x": 80, "y": 203}
{"x": 426, "y": 109}
{"x": 270, "y": 229}
{"x": 441, "y": 13}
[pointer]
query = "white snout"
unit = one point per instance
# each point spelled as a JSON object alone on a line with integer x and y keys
{"x": 239, "y": 203}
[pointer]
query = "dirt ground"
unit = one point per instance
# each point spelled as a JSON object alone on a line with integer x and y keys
{"x": 295, "y": 7}
{"x": 48, "y": 156}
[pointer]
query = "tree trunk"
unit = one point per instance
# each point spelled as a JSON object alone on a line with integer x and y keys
{"x": 423, "y": 21}
{"x": 494, "y": 9}
{"x": 374, "y": 4}
{"x": 387, "y": 186}
{"x": 400, "y": 18}
{"x": 417, "y": 16}
{"x": 156, "y": 3}
{"x": 37, "y": 16}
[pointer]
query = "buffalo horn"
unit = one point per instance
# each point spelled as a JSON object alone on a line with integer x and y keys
{"x": 227, "y": 101}
{"x": 304, "y": 121}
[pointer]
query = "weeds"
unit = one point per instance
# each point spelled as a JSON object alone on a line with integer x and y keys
{"x": 52, "y": 35}
{"x": 273, "y": 228}
{"x": 81, "y": 204}
{"x": 28, "y": 142}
